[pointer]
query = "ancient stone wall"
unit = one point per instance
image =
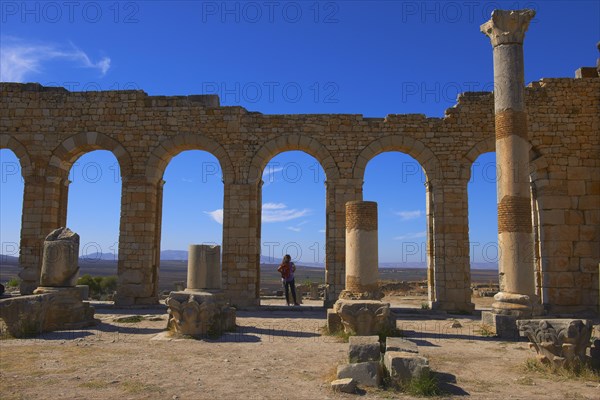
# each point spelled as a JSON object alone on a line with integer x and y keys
{"x": 49, "y": 128}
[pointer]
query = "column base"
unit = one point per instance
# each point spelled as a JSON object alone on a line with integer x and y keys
{"x": 519, "y": 305}
{"x": 198, "y": 313}
{"x": 504, "y": 325}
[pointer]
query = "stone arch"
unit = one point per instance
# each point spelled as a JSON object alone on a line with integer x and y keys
{"x": 404, "y": 144}
{"x": 292, "y": 142}
{"x": 9, "y": 142}
{"x": 487, "y": 145}
{"x": 537, "y": 161}
{"x": 75, "y": 146}
{"x": 162, "y": 154}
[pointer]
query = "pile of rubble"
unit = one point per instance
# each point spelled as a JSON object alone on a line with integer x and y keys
{"x": 371, "y": 360}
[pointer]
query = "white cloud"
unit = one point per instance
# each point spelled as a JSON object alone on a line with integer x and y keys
{"x": 408, "y": 215}
{"x": 187, "y": 180}
{"x": 273, "y": 206}
{"x": 272, "y": 212}
{"x": 297, "y": 227}
{"x": 269, "y": 174}
{"x": 415, "y": 235}
{"x": 20, "y": 58}
{"x": 321, "y": 230}
{"x": 278, "y": 212}
{"x": 216, "y": 215}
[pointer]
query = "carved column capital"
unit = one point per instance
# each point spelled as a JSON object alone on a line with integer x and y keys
{"x": 507, "y": 26}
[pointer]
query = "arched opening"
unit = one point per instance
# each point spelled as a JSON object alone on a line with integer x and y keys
{"x": 93, "y": 212}
{"x": 293, "y": 222}
{"x": 192, "y": 213}
{"x": 483, "y": 229}
{"x": 396, "y": 181}
{"x": 11, "y": 198}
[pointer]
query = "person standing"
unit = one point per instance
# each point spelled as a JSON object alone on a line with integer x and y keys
{"x": 287, "y": 269}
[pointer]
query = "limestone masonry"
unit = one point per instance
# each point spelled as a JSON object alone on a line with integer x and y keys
{"x": 49, "y": 128}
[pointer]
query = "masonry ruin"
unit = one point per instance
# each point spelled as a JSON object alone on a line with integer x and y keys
{"x": 49, "y": 128}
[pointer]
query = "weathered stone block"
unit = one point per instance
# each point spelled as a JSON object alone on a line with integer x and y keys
{"x": 364, "y": 348}
{"x": 60, "y": 263}
{"x": 48, "y": 310}
{"x": 400, "y": 344}
{"x": 334, "y": 322}
{"x": 403, "y": 366}
{"x": 365, "y": 317}
{"x": 504, "y": 325}
{"x": 346, "y": 385}
{"x": 366, "y": 373}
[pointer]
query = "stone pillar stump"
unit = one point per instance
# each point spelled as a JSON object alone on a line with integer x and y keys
{"x": 201, "y": 309}
{"x": 359, "y": 309}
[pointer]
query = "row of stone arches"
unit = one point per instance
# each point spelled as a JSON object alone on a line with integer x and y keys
{"x": 72, "y": 148}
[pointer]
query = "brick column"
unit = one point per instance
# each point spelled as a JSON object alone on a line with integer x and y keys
{"x": 241, "y": 243}
{"x": 338, "y": 193}
{"x": 44, "y": 209}
{"x": 138, "y": 238}
{"x": 506, "y": 30}
{"x": 450, "y": 274}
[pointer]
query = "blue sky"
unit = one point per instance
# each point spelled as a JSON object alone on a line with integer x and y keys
{"x": 372, "y": 58}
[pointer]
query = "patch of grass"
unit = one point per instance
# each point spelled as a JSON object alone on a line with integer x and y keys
{"x": 425, "y": 306}
{"x": 486, "y": 330}
{"x": 341, "y": 335}
{"x": 136, "y": 387}
{"x": 99, "y": 286}
{"x": 579, "y": 371}
{"x": 425, "y": 385}
{"x": 94, "y": 384}
{"x": 13, "y": 282}
{"x": 525, "y": 380}
{"x": 132, "y": 319}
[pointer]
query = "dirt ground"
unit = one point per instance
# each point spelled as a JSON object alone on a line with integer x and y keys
{"x": 275, "y": 354}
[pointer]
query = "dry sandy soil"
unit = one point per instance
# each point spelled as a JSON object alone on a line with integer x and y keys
{"x": 278, "y": 354}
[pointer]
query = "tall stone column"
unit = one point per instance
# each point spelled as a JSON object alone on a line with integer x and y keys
{"x": 362, "y": 269}
{"x": 506, "y": 30}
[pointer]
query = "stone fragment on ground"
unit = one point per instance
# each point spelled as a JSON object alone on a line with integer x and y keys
{"x": 365, "y": 373}
{"x": 403, "y": 366}
{"x": 400, "y": 344}
{"x": 364, "y": 348}
{"x": 345, "y": 385}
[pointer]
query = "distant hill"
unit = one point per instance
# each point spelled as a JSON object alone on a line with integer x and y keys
{"x": 9, "y": 260}
{"x": 174, "y": 255}
{"x": 99, "y": 257}
{"x": 182, "y": 255}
